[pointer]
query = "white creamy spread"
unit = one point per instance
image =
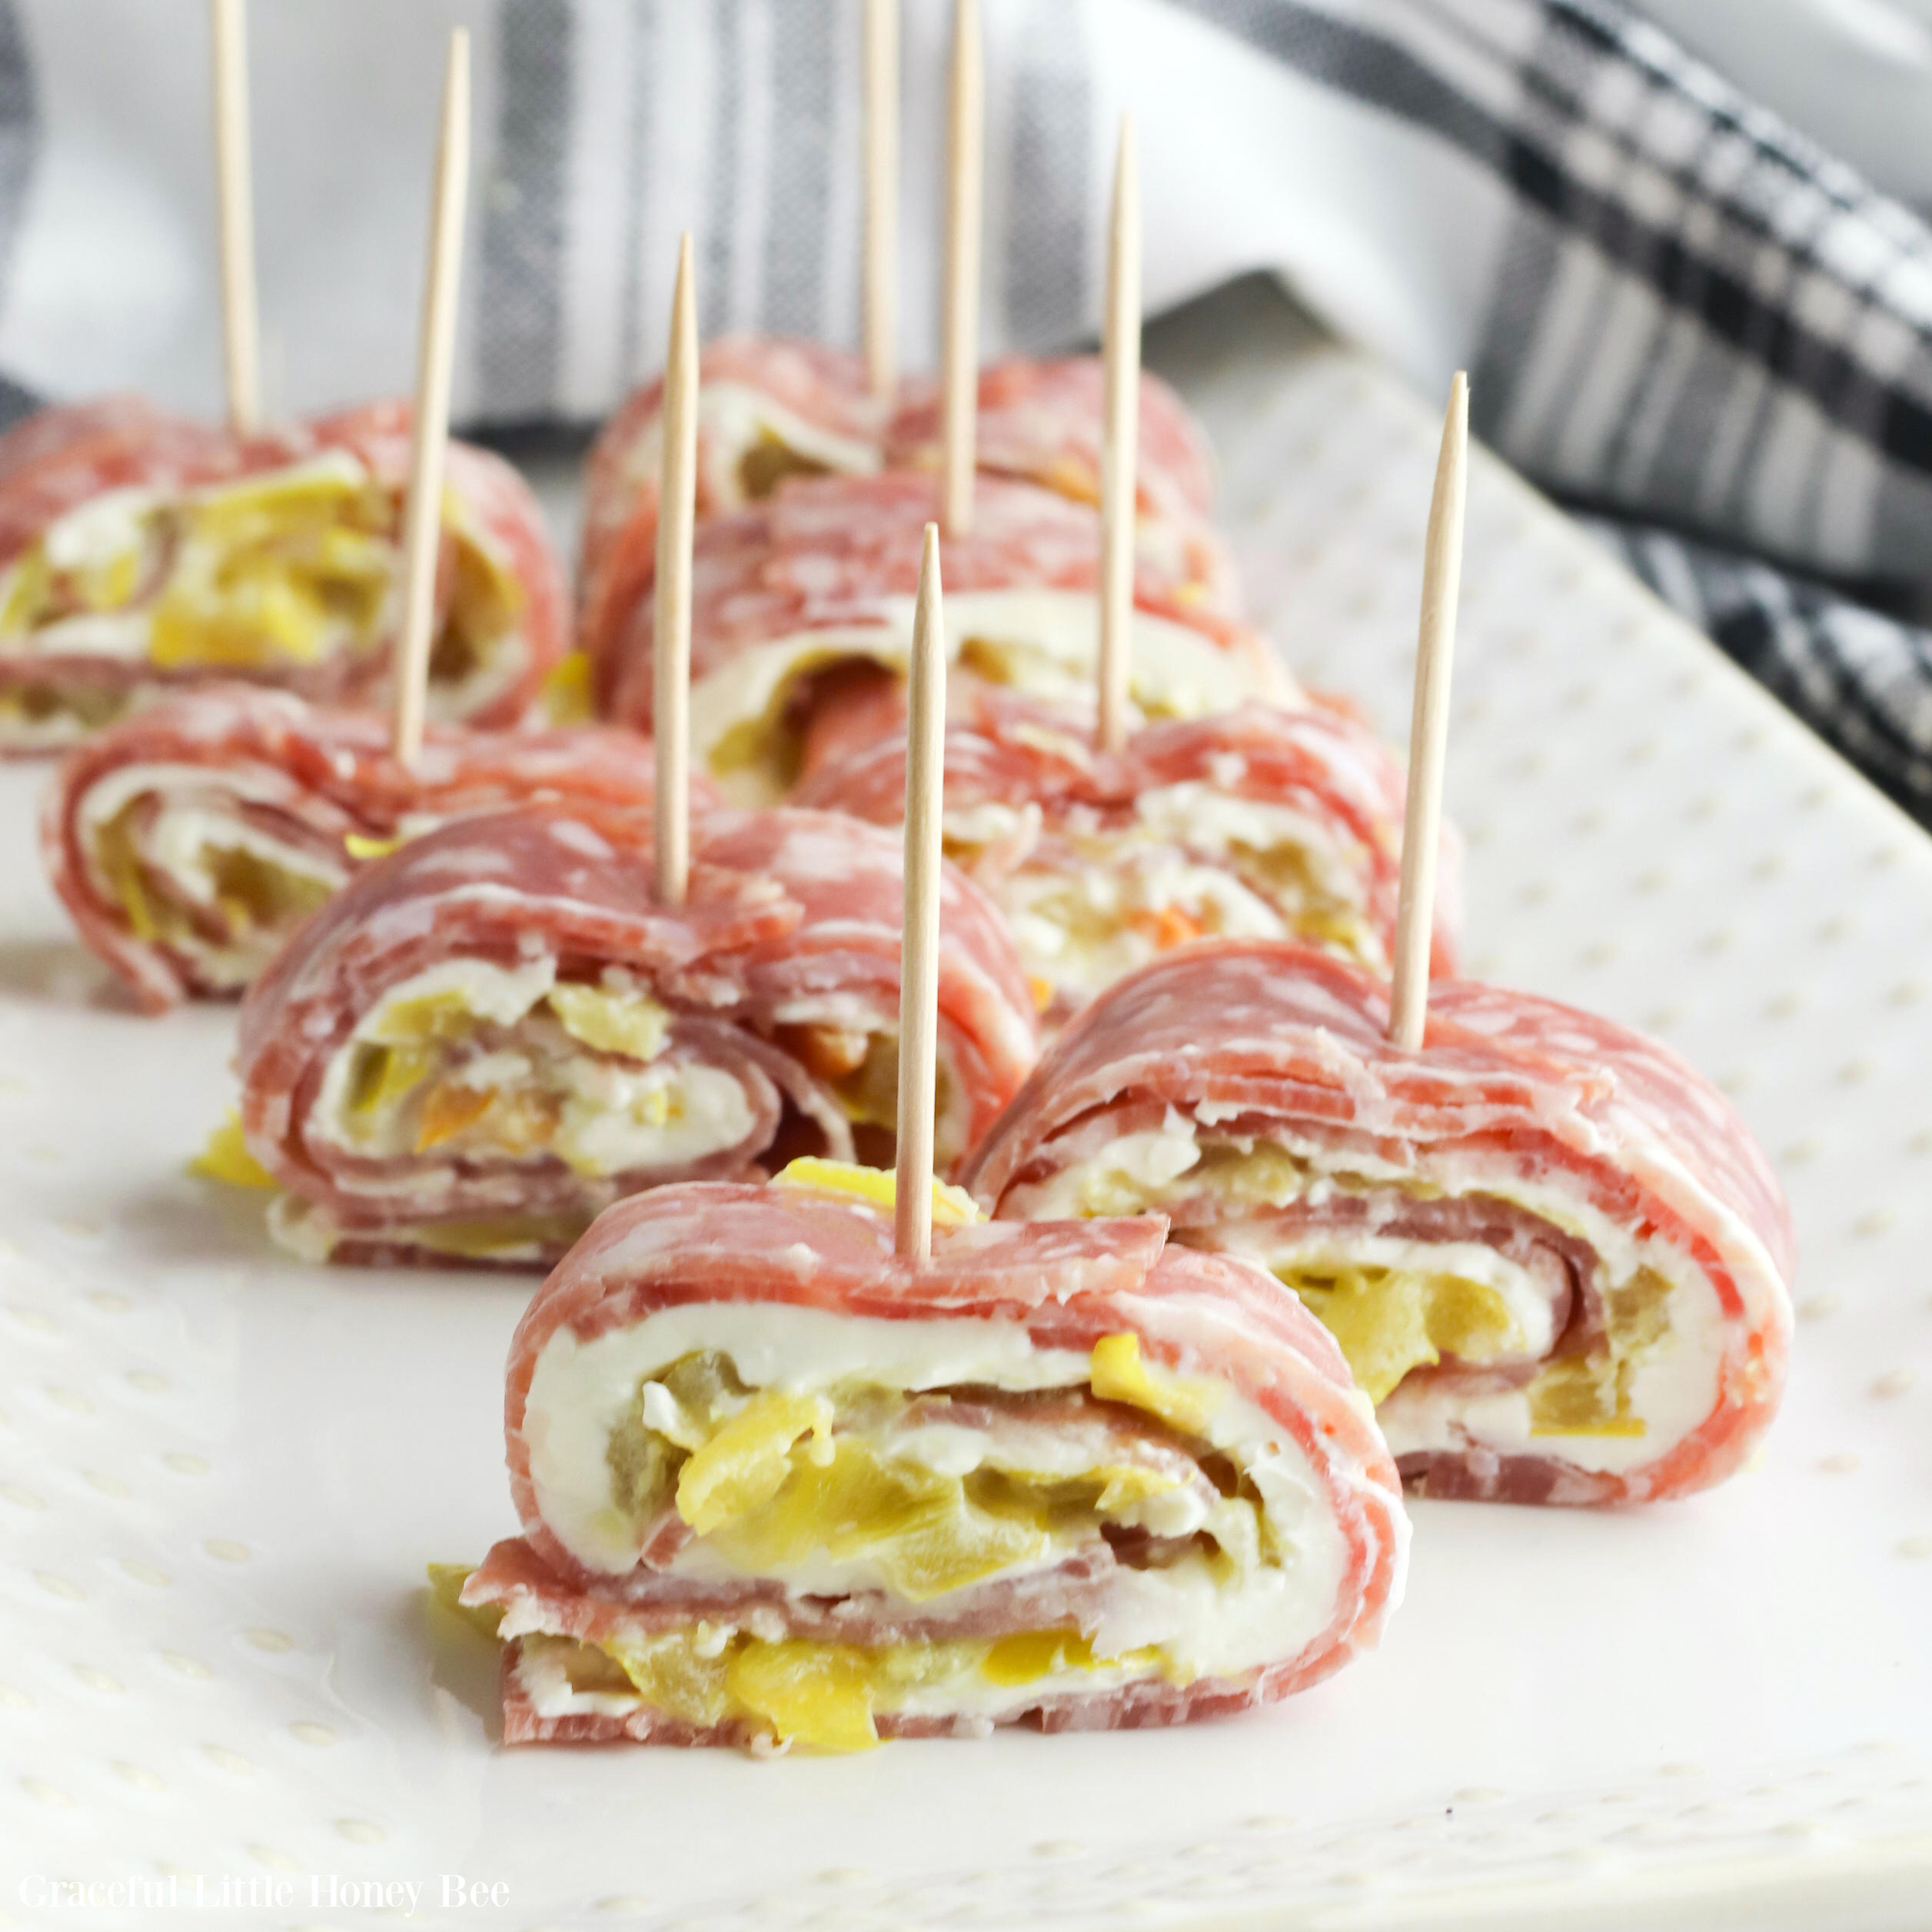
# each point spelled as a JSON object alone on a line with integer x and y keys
{"x": 970, "y": 829}
{"x": 91, "y": 634}
{"x": 542, "y": 1674}
{"x": 117, "y": 527}
{"x": 1083, "y": 929}
{"x": 191, "y": 832}
{"x": 616, "y": 1115}
{"x": 734, "y": 417}
{"x": 1675, "y": 1382}
{"x": 96, "y": 534}
{"x": 1203, "y": 1623}
{"x": 501, "y": 661}
{"x": 1047, "y": 639}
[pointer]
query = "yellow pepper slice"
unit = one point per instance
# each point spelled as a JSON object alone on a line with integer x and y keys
{"x": 1118, "y": 1375}
{"x": 226, "y": 1157}
{"x": 953, "y": 1207}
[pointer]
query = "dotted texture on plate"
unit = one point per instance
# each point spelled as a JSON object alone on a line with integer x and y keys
{"x": 221, "y": 1473}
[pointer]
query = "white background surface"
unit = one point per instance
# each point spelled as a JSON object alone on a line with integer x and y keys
{"x": 221, "y": 1472}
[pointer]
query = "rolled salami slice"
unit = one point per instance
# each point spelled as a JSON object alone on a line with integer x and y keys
{"x": 497, "y": 1031}
{"x": 1042, "y": 421}
{"x": 779, "y": 1486}
{"x": 139, "y": 552}
{"x": 1551, "y": 1250}
{"x": 801, "y": 623}
{"x": 768, "y": 408}
{"x": 1256, "y": 823}
{"x": 188, "y": 840}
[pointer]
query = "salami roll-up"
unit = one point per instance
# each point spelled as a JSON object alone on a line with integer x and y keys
{"x": 139, "y": 552}
{"x": 779, "y": 1485}
{"x": 768, "y": 408}
{"x": 1551, "y": 1250}
{"x": 1042, "y": 422}
{"x": 188, "y": 840}
{"x": 802, "y": 612}
{"x": 1259, "y": 823}
{"x": 498, "y": 1030}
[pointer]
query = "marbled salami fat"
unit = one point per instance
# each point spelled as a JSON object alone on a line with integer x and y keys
{"x": 768, "y": 408}
{"x": 1043, "y": 421}
{"x": 778, "y": 1485}
{"x": 189, "y": 840}
{"x": 804, "y": 603}
{"x": 139, "y": 552}
{"x": 498, "y": 1029}
{"x": 1261, "y": 821}
{"x": 1551, "y": 1250}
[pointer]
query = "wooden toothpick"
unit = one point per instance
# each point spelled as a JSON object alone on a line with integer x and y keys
{"x": 959, "y": 371}
{"x": 671, "y": 661}
{"x": 1120, "y": 442}
{"x": 423, "y": 518}
{"x": 235, "y": 202}
{"x": 881, "y": 113}
{"x": 1428, "y": 730}
{"x": 919, "y": 969}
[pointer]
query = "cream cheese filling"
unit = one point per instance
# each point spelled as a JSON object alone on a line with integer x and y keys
{"x": 499, "y": 661}
{"x": 1326, "y": 890}
{"x": 1041, "y": 642}
{"x": 190, "y": 831}
{"x": 1204, "y": 1616}
{"x": 192, "y": 825}
{"x": 1673, "y": 1378}
{"x": 1193, "y": 861}
{"x": 959, "y": 1689}
{"x": 96, "y": 534}
{"x": 195, "y": 837}
{"x": 1081, "y": 929}
{"x": 283, "y": 568}
{"x": 603, "y": 1115}
{"x": 734, "y": 419}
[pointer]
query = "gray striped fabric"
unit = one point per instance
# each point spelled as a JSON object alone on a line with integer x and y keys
{"x": 20, "y": 129}
{"x": 1862, "y": 676}
{"x": 521, "y": 300}
{"x": 1052, "y": 192}
{"x": 740, "y": 118}
{"x": 1679, "y": 315}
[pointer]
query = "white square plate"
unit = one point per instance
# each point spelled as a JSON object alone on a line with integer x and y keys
{"x": 221, "y": 1472}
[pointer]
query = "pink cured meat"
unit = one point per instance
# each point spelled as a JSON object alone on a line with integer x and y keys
{"x": 822, "y": 553}
{"x": 1082, "y": 808}
{"x": 788, "y": 946}
{"x": 1039, "y": 422}
{"x": 1068, "y": 1285}
{"x": 824, "y": 387}
{"x": 310, "y": 781}
{"x": 1547, "y": 1119}
{"x": 1042, "y": 421}
{"x": 68, "y": 455}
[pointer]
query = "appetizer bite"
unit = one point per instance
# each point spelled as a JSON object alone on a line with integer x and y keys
{"x": 768, "y": 408}
{"x": 1550, "y": 1250}
{"x": 802, "y": 613}
{"x": 1258, "y": 822}
{"x": 771, "y": 409}
{"x": 189, "y": 840}
{"x": 500, "y": 1028}
{"x": 830, "y": 1460}
{"x": 1043, "y": 422}
{"x": 780, "y": 1484}
{"x": 139, "y": 552}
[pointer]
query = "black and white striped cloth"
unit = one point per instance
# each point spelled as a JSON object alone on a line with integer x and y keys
{"x": 1680, "y": 316}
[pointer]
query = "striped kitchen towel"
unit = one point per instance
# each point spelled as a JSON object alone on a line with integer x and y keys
{"x": 1679, "y": 315}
